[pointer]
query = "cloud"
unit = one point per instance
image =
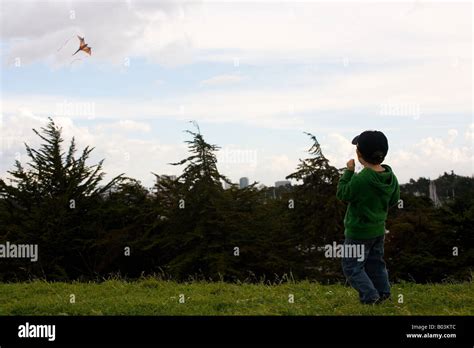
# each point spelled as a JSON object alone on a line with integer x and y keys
{"x": 469, "y": 134}
{"x": 282, "y": 164}
{"x": 173, "y": 33}
{"x": 431, "y": 156}
{"x": 127, "y": 125}
{"x": 337, "y": 149}
{"x": 360, "y": 31}
{"x": 115, "y": 31}
{"x": 274, "y": 167}
{"x": 222, "y": 80}
{"x": 452, "y": 135}
{"x": 122, "y": 152}
{"x": 282, "y": 106}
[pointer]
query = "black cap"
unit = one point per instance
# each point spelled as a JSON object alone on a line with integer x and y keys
{"x": 373, "y": 146}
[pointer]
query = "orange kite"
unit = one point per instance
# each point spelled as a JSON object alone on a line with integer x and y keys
{"x": 83, "y": 46}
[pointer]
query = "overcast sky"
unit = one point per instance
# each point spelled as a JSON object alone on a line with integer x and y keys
{"x": 254, "y": 75}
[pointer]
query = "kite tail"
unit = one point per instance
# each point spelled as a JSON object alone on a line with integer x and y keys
{"x": 64, "y": 44}
{"x": 75, "y": 60}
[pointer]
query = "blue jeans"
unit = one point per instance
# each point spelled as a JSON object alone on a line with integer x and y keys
{"x": 369, "y": 275}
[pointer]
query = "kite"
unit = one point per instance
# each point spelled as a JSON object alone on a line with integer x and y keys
{"x": 83, "y": 46}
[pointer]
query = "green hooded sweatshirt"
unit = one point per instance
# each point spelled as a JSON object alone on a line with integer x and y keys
{"x": 369, "y": 195}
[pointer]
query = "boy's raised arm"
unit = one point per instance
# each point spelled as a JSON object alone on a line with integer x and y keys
{"x": 345, "y": 187}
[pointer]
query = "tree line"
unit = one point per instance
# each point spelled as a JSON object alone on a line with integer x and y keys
{"x": 191, "y": 227}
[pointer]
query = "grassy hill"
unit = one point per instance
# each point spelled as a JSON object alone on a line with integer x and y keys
{"x": 157, "y": 297}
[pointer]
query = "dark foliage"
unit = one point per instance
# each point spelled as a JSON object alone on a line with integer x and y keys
{"x": 192, "y": 227}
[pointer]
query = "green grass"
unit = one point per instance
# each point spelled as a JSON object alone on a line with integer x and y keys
{"x": 158, "y": 297}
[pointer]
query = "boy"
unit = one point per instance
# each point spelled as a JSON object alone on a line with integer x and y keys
{"x": 369, "y": 194}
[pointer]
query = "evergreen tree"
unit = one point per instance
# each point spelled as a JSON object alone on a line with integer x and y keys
{"x": 49, "y": 203}
{"x": 196, "y": 240}
{"x": 121, "y": 245}
{"x": 317, "y": 216}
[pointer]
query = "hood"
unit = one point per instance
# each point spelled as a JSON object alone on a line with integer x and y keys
{"x": 385, "y": 181}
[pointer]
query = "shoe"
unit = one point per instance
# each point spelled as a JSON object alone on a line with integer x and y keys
{"x": 372, "y": 302}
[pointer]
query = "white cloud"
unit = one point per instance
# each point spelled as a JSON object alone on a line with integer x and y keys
{"x": 115, "y": 31}
{"x": 172, "y": 33}
{"x": 122, "y": 153}
{"x": 274, "y": 167}
{"x": 126, "y": 125}
{"x": 432, "y": 156}
{"x": 452, "y": 134}
{"x": 337, "y": 149}
{"x": 282, "y": 164}
{"x": 368, "y": 31}
{"x": 469, "y": 134}
{"x": 284, "y": 107}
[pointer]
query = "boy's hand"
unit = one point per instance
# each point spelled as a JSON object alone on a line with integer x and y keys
{"x": 351, "y": 165}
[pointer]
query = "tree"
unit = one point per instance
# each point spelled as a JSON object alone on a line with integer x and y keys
{"x": 318, "y": 216}
{"x": 50, "y": 203}
{"x": 126, "y": 215}
{"x": 196, "y": 238}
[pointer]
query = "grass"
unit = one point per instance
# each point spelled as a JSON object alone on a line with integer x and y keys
{"x": 158, "y": 297}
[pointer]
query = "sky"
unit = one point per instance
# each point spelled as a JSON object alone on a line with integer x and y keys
{"x": 254, "y": 75}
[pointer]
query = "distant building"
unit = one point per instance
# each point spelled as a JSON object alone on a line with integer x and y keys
{"x": 434, "y": 194}
{"x": 243, "y": 182}
{"x": 282, "y": 183}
